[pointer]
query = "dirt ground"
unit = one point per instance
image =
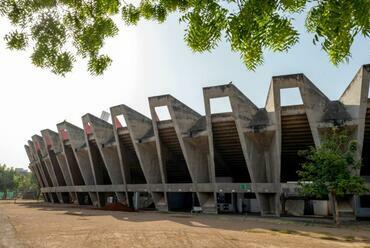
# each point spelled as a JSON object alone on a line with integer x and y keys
{"x": 31, "y": 224}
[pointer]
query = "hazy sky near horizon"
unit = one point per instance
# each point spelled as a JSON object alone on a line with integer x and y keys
{"x": 149, "y": 59}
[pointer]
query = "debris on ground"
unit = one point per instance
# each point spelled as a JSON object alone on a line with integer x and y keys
{"x": 117, "y": 207}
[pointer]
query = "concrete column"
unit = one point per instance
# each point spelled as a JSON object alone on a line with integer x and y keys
{"x": 32, "y": 166}
{"x": 355, "y": 101}
{"x": 76, "y": 138}
{"x": 102, "y": 132}
{"x": 45, "y": 161}
{"x": 256, "y": 134}
{"x": 193, "y": 143}
{"x": 314, "y": 101}
{"x": 57, "y": 160}
{"x": 67, "y": 161}
{"x": 39, "y": 182}
{"x": 33, "y": 170}
{"x": 40, "y": 169}
{"x": 142, "y": 136}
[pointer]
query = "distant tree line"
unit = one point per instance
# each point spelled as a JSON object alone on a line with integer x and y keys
{"x": 18, "y": 182}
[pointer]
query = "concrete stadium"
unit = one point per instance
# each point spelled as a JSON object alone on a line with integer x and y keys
{"x": 244, "y": 161}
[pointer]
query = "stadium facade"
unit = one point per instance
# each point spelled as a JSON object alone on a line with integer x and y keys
{"x": 242, "y": 161}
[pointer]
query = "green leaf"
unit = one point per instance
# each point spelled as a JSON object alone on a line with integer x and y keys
{"x": 50, "y": 28}
{"x": 16, "y": 40}
{"x": 98, "y": 64}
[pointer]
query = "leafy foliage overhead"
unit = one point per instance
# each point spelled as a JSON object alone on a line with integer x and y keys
{"x": 59, "y": 31}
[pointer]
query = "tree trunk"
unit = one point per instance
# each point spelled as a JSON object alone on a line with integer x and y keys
{"x": 334, "y": 205}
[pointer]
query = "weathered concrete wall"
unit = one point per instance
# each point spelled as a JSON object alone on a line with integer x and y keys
{"x": 142, "y": 154}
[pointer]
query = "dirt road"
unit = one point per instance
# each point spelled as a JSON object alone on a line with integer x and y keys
{"x": 41, "y": 225}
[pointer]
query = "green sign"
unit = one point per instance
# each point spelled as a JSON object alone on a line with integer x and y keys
{"x": 9, "y": 195}
{"x": 244, "y": 186}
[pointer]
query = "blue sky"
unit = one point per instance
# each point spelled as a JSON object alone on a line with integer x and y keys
{"x": 148, "y": 60}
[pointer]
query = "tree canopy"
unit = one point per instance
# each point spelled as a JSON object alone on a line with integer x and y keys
{"x": 331, "y": 169}
{"x": 7, "y": 181}
{"x": 60, "y": 31}
{"x": 11, "y": 180}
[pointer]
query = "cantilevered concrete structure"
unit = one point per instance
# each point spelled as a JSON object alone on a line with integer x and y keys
{"x": 241, "y": 161}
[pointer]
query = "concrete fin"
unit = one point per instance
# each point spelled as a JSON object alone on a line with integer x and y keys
{"x": 102, "y": 132}
{"x": 355, "y": 100}
{"x": 57, "y": 151}
{"x": 138, "y": 125}
{"x": 39, "y": 164}
{"x": 28, "y": 151}
{"x": 47, "y": 161}
{"x": 195, "y": 151}
{"x": 57, "y": 160}
{"x": 76, "y": 137}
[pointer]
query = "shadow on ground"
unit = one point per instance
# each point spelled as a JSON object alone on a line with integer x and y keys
{"x": 314, "y": 228}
